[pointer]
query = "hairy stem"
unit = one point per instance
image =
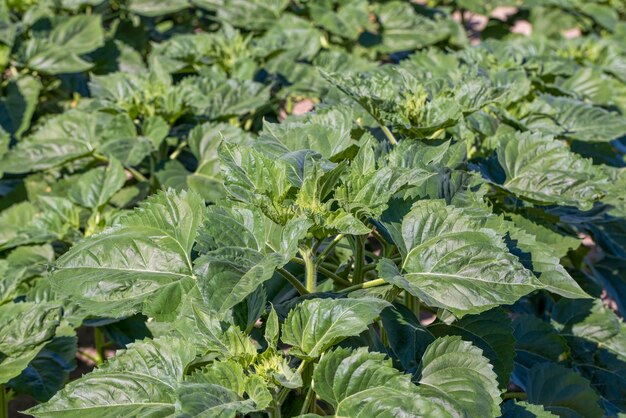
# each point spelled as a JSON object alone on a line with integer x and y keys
{"x": 325, "y": 272}
{"x": 310, "y": 269}
{"x": 293, "y": 280}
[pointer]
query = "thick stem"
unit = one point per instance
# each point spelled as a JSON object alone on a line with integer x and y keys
{"x": 293, "y": 280}
{"x": 274, "y": 411}
{"x": 310, "y": 269}
{"x": 100, "y": 345}
{"x": 325, "y": 272}
{"x": 4, "y": 402}
{"x": 366, "y": 285}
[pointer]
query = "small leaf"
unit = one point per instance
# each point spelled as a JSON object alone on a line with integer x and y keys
{"x": 96, "y": 187}
{"x": 318, "y": 324}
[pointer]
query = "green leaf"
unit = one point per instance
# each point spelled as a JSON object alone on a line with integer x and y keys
{"x": 220, "y": 339}
{"x": 48, "y": 372}
{"x": 272, "y": 329}
{"x": 143, "y": 264}
{"x": 154, "y": 8}
{"x": 407, "y": 338}
{"x": 95, "y": 188}
{"x": 26, "y": 328}
{"x": 317, "y": 324}
{"x": 574, "y": 119}
{"x": 455, "y": 264}
{"x": 357, "y": 381}
{"x": 545, "y": 171}
{"x": 490, "y": 331}
{"x": 79, "y": 34}
{"x": 141, "y": 380}
{"x": 62, "y": 138}
{"x": 524, "y": 410}
{"x": 48, "y": 58}
{"x": 456, "y": 372}
{"x": 18, "y": 105}
{"x": 327, "y": 133}
{"x": 213, "y": 400}
{"x": 537, "y": 342}
{"x": 562, "y": 391}
{"x": 242, "y": 249}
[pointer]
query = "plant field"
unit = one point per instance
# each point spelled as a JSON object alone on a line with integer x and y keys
{"x": 275, "y": 208}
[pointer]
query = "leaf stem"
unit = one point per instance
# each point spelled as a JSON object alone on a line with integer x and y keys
{"x": 329, "y": 248}
{"x": 178, "y": 150}
{"x": 366, "y": 285}
{"x": 388, "y": 134}
{"x": 100, "y": 344}
{"x": 515, "y": 395}
{"x": 307, "y": 401}
{"x": 359, "y": 259}
{"x": 293, "y": 280}
{"x": 4, "y": 402}
{"x": 136, "y": 174}
{"x": 310, "y": 269}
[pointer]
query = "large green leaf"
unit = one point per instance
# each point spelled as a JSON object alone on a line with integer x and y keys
{"x": 574, "y": 119}
{"x": 79, "y": 34}
{"x": 456, "y": 372}
{"x": 455, "y": 264}
{"x": 242, "y": 248}
{"x": 357, "y": 381}
{"x": 143, "y": 264}
{"x": 140, "y": 381}
{"x": 545, "y": 171}
{"x": 60, "y": 139}
{"x": 317, "y": 324}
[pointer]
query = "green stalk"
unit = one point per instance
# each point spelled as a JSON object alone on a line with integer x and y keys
{"x": 137, "y": 175}
{"x": 100, "y": 345}
{"x": 389, "y": 135}
{"x": 329, "y": 248}
{"x": 515, "y": 395}
{"x": 310, "y": 269}
{"x": 366, "y": 285}
{"x": 325, "y": 272}
{"x": 178, "y": 150}
{"x": 4, "y": 402}
{"x": 359, "y": 260}
{"x": 307, "y": 401}
{"x": 294, "y": 281}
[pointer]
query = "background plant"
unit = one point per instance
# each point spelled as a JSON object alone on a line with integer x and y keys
{"x": 443, "y": 235}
